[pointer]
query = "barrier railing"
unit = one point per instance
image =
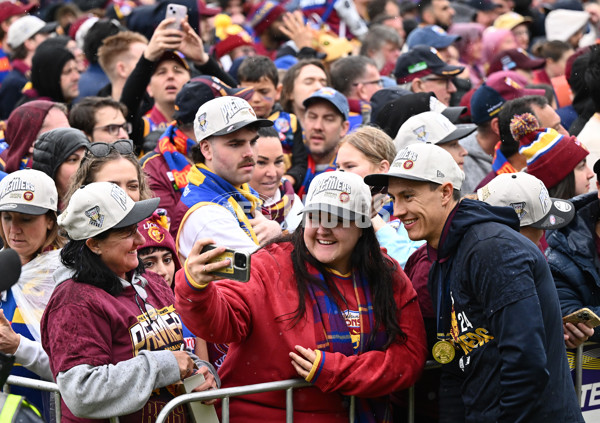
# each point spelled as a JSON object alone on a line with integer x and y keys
{"x": 226, "y": 393}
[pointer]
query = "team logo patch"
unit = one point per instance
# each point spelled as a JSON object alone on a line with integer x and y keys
{"x": 96, "y": 219}
{"x": 421, "y": 133}
{"x": 155, "y": 234}
{"x": 408, "y": 164}
{"x": 552, "y": 219}
{"x": 344, "y": 197}
{"x": 202, "y": 122}
{"x": 281, "y": 125}
{"x": 519, "y": 209}
{"x": 28, "y": 195}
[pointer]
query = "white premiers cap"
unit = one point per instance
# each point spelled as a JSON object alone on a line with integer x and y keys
{"x": 342, "y": 194}
{"x": 101, "y": 206}
{"x": 225, "y": 115}
{"x": 530, "y": 199}
{"x": 23, "y": 29}
{"x": 28, "y": 191}
{"x": 432, "y": 128}
{"x": 421, "y": 162}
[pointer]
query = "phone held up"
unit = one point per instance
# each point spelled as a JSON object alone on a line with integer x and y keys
{"x": 239, "y": 264}
{"x": 177, "y": 11}
{"x": 583, "y": 315}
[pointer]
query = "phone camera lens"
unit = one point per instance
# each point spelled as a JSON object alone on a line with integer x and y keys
{"x": 239, "y": 261}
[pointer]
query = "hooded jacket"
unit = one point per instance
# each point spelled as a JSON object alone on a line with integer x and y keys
{"x": 54, "y": 147}
{"x": 496, "y": 299}
{"x": 573, "y": 259}
{"x": 46, "y": 68}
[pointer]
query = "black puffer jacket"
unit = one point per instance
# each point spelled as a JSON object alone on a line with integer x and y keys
{"x": 52, "y": 148}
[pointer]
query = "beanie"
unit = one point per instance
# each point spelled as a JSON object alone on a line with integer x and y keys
{"x": 155, "y": 230}
{"x": 264, "y": 15}
{"x": 550, "y": 155}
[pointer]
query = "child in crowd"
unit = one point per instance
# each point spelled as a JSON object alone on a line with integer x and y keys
{"x": 260, "y": 73}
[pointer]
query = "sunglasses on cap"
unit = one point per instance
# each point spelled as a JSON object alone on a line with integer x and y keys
{"x": 102, "y": 149}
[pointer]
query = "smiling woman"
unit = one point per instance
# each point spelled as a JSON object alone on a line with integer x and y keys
{"x": 326, "y": 304}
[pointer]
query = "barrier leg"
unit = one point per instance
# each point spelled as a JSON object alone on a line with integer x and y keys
{"x": 411, "y": 404}
{"x": 289, "y": 405}
{"x": 57, "y": 407}
{"x": 225, "y": 410}
{"x": 579, "y": 371}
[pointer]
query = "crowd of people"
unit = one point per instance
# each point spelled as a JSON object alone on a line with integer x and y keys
{"x": 411, "y": 181}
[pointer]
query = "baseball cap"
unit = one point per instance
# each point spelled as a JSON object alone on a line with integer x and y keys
{"x": 530, "y": 199}
{"x": 337, "y": 99}
{"x": 342, "y": 194}
{"x": 28, "y": 191}
{"x": 515, "y": 58}
{"x": 225, "y": 115}
{"x": 384, "y": 96}
{"x": 431, "y": 35}
{"x": 421, "y": 162}
{"x": 23, "y": 29}
{"x": 9, "y": 9}
{"x": 100, "y": 206}
{"x": 483, "y": 5}
{"x": 509, "y": 20}
{"x": 174, "y": 56}
{"x": 208, "y": 10}
{"x": 500, "y": 87}
{"x": 432, "y": 128}
{"x": 198, "y": 91}
{"x": 422, "y": 61}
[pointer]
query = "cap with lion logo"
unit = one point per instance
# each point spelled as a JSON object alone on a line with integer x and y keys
{"x": 28, "y": 191}
{"x": 530, "y": 199}
{"x": 100, "y": 206}
{"x": 342, "y": 194}
{"x": 225, "y": 115}
{"x": 421, "y": 162}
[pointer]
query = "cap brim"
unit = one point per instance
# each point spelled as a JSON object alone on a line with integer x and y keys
{"x": 383, "y": 179}
{"x": 23, "y": 208}
{"x": 140, "y": 211}
{"x": 534, "y": 64}
{"x": 453, "y": 113}
{"x": 446, "y": 41}
{"x": 460, "y": 132}
{"x": 261, "y": 123}
{"x": 246, "y": 92}
{"x": 560, "y": 215}
{"x": 334, "y": 210}
{"x": 448, "y": 70}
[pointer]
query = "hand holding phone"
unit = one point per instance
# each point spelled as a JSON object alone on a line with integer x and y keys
{"x": 239, "y": 264}
{"x": 177, "y": 11}
{"x": 583, "y": 315}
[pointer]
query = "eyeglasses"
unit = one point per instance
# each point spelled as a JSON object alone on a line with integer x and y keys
{"x": 378, "y": 82}
{"x": 113, "y": 128}
{"x": 102, "y": 149}
{"x": 446, "y": 81}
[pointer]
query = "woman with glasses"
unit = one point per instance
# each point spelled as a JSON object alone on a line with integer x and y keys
{"x": 325, "y": 303}
{"x": 113, "y": 162}
{"x": 28, "y": 201}
{"x": 110, "y": 329}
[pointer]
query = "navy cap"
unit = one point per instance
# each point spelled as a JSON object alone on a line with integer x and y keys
{"x": 384, "y": 96}
{"x": 431, "y": 35}
{"x": 333, "y": 96}
{"x": 198, "y": 91}
{"x": 483, "y": 5}
{"x": 420, "y": 62}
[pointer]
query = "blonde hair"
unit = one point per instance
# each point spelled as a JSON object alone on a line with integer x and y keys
{"x": 116, "y": 45}
{"x": 375, "y": 144}
{"x": 53, "y": 239}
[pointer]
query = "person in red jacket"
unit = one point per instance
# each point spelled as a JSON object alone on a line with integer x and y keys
{"x": 325, "y": 303}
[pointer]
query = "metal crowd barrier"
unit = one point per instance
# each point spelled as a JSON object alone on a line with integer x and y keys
{"x": 226, "y": 393}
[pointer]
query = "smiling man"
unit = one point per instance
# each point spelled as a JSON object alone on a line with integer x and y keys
{"x": 218, "y": 203}
{"x": 325, "y": 124}
{"x": 498, "y": 318}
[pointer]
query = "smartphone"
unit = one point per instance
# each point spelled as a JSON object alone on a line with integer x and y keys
{"x": 584, "y": 315}
{"x": 177, "y": 11}
{"x": 239, "y": 267}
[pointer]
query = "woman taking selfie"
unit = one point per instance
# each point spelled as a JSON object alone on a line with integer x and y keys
{"x": 28, "y": 200}
{"x": 324, "y": 303}
{"x": 110, "y": 329}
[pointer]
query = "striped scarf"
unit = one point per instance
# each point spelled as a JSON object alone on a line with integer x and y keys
{"x": 206, "y": 187}
{"x": 311, "y": 172}
{"x": 333, "y": 335}
{"x": 280, "y": 209}
{"x": 174, "y": 147}
{"x": 500, "y": 164}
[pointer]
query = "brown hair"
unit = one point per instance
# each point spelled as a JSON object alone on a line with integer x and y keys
{"x": 375, "y": 144}
{"x": 91, "y": 165}
{"x": 289, "y": 81}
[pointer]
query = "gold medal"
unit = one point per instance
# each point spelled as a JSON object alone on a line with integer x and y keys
{"x": 443, "y": 352}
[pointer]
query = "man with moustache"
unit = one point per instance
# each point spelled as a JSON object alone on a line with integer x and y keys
{"x": 325, "y": 124}
{"x": 218, "y": 203}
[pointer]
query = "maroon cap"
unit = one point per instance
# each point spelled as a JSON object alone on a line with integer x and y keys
{"x": 8, "y": 9}
{"x": 264, "y": 15}
{"x": 204, "y": 10}
{"x": 512, "y": 59}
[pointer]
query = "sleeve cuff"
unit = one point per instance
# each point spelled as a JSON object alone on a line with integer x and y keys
{"x": 317, "y": 366}
{"x": 190, "y": 281}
